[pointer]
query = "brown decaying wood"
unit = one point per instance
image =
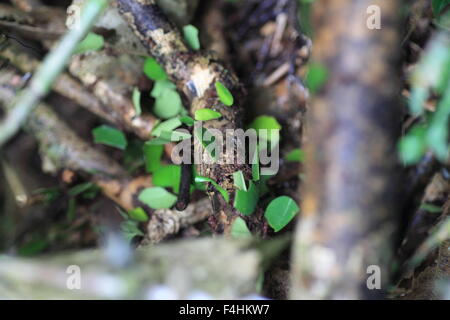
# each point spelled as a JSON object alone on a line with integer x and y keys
{"x": 164, "y": 223}
{"x": 349, "y": 214}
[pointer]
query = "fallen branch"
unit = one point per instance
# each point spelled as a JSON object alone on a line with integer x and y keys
{"x": 195, "y": 75}
{"x": 164, "y": 223}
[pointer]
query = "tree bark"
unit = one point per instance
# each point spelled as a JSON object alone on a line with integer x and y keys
{"x": 349, "y": 215}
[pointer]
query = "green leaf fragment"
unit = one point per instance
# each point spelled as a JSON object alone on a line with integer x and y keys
{"x": 138, "y": 214}
{"x": 152, "y": 154}
{"x": 206, "y": 114}
{"x": 92, "y": 42}
{"x": 239, "y": 180}
{"x": 157, "y": 198}
{"x": 168, "y": 176}
{"x": 166, "y": 126}
{"x": 187, "y": 121}
{"x": 223, "y": 192}
{"x": 168, "y": 104}
{"x": 265, "y": 122}
{"x": 137, "y": 101}
{"x": 110, "y": 136}
{"x": 175, "y": 136}
{"x": 296, "y": 155}
{"x": 245, "y": 201}
{"x": 161, "y": 86}
{"x": 280, "y": 212}
{"x": 190, "y": 33}
{"x": 130, "y": 229}
{"x": 239, "y": 229}
{"x": 224, "y": 94}
{"x": 255, "y": 165}
{"x": 153, "y": 70}
{"x": 316, "y": 77}
{"x": 267, "y": 128}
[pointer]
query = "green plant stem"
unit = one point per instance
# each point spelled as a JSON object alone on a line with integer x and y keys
{"x": 49, "y": 70}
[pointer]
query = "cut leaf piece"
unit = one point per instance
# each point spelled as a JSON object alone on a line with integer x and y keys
{"x": 168, "y": 176}
{"x": 255, "y": 165}
{"x": 92, "y": 42}
{"x": 187, "y": 121}
{"x": 130, "y": 229}
{"x": 280, "y": 212}
{"x": 161, "y": 86}
{"x": 153, "y": 70}
{"x": 138, "y": 214}
{"x": 245, "y": 201}
{"x": 296, "y": 155}
{"x": 239, "y": 180}
{"x": 137, "y": 101}
{"x": 316, "y": 77}
{"x": 157, "y": 198}
{"x": 267, "y": 128}
{"x": 168, "y": 126}
{"x": 152, "y": 155}
{"x": 206, "y": 114}
{"x": 224, "y": 94}
{"x": 223, "y": 192}
{"x": 175, "y": 136}
{"x": 413, "y": 146}
{"x": 168, "y": 104}
{"x": 110, "y": 136}
{"x": 265, "y": 122}
{"x": 190, "y": 33}
{"x": 239, "y": 229}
